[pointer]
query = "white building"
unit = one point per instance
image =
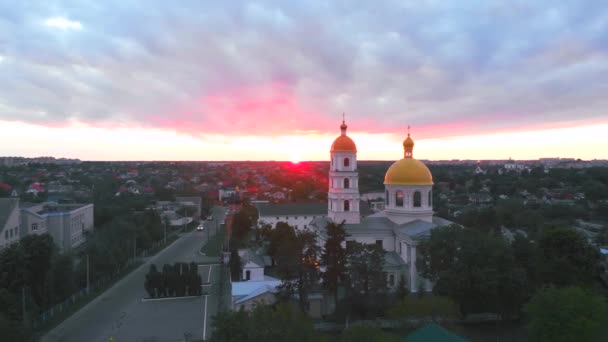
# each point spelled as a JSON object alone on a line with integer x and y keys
{"x": 66, "y": 223}
{"x": 406, "y": 219}
{"x": 297, "y": 215}
{"x": 9, "y": 221}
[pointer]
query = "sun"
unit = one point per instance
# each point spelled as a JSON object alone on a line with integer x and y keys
{"x": 295, "y": 158}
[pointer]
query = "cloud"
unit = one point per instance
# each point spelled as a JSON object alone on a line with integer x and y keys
{"x": 273, "y": 67}
{"x": 63, "y": 23}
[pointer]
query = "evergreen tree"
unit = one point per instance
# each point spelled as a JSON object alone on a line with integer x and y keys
{"x": 334, "y": 259}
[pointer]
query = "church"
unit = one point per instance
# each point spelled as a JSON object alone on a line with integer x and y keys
{"x": 406, "y": 219}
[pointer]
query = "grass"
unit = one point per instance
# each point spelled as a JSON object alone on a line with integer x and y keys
{"x": 213, "y": 247}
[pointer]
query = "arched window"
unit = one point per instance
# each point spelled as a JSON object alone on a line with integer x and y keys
{"x": 399, "y": 198}
{"x": 346, "y": 162}
{"x": 417, "y": 199}
{"x": 387, "y": 197}
{"x": 430, "y": 199}
{"x": 347, "y": 205}
{"x": 346, "y": 183}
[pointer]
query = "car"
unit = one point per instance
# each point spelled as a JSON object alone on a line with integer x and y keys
{"x": 200, "y": 227}
{"x": 210, "y": 218}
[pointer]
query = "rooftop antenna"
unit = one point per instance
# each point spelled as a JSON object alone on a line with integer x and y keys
{"x": 408, "y": 130}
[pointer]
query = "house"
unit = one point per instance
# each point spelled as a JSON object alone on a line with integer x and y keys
{"x": 66, "y": 223}
{"x": 9, "y": 221}
{"x": 256, "y": 288}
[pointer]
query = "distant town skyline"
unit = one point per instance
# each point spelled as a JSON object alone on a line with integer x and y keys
{"x": 125, "y": 80}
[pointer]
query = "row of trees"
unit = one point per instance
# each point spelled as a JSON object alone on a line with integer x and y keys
{"x": 178, "y": 280}
{"x": 483, "y": 273}
{"x": 284, "y": 323}
{"x": 33, "y": 276}
{"x": 357, "y": 269}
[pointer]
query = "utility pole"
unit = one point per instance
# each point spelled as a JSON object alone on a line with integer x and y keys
{"x": 88, "y": 283}
{"x": 23, "y": 304}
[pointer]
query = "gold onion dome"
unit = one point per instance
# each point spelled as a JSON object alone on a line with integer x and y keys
{"x": 343, "y": 143}
{"x": 408, "y": 171}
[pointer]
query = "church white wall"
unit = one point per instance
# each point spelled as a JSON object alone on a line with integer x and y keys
{"x": 256, "y": 273}
{"x": 299, "y": 222}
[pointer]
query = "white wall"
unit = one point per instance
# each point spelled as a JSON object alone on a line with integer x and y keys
{"x": 301, "y": 221}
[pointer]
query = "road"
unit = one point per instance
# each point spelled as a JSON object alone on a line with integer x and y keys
{"x": 121, "y": 314}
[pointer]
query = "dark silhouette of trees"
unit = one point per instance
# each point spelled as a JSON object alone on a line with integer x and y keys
{"x": 178, "y": 280}
{"x": 236, "y": 266}
{"x": 567, "y": 314}
{"x": 334, "y": 259}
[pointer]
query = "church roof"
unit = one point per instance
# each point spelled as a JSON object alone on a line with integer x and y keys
{"x": 271, "y": 209}
{"x": 7, "y": 205}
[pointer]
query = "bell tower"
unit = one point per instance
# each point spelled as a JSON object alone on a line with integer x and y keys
{"x": 343, "y": 196}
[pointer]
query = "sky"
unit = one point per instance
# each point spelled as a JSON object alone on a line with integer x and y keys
{"x": 270, "y": 80}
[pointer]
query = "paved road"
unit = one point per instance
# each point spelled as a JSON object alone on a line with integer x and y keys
{"x": 120, "y": 312}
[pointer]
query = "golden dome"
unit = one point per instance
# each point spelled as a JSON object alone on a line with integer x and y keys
{"x": 408, "y": 171}
{"x": 343, "y": 144}
{"x": 409, "y": 142}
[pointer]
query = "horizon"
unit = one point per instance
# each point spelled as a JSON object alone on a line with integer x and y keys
{"x": 249, "y": 81}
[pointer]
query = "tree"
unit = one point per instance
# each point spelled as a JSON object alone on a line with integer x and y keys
{"x": 438, "y": 253}
{"x": 362, "y": 333}
{"x": 236, "y": 266}
{"x": 365, "y": 269}
{"x": 476, "y": 270}
{"x": 38, "y": 251}
{"x": 566, "y": 258}
{"x": 264, "y": 323}
{"x": 334, "y": 259}
{"x": 425, "y": 307}
{"x": 241, "y": 226}
{"x": 567, "y": 314}
{"x": 298, "y": 266}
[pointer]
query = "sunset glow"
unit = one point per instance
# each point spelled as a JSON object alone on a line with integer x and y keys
{"x": 270, "y": 81}
{"x": 91, "y": 143}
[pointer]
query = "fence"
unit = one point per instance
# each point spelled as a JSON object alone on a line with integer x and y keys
{"x": 103, "y": 283}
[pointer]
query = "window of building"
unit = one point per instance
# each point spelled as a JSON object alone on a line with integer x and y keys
{"x": 399, "y": 247}
{"x": 305, "y": 226}
{"x": 379, "y": 243}
{"x": 287, "y": 217}
{"x": 296, "y": 217}
{"x": 34, "y": 226}
{"x": 347, "y": 205}
{"x": 346, "y": 162}
{"x": 346, "y": 183}
{"x": 305, "y": 217}
{"x": 247, "y": 275}
{"x": 391, "y": 280}
{"x": 387, "y": 197}
{"x": 6, "y": 234}
{"x": 399, "y": 198}
{"x": 278, "y": 218}
{"x": 417, "y": 199}
{"x": 430, "y": 199}
{"x": 296, "y": 227}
